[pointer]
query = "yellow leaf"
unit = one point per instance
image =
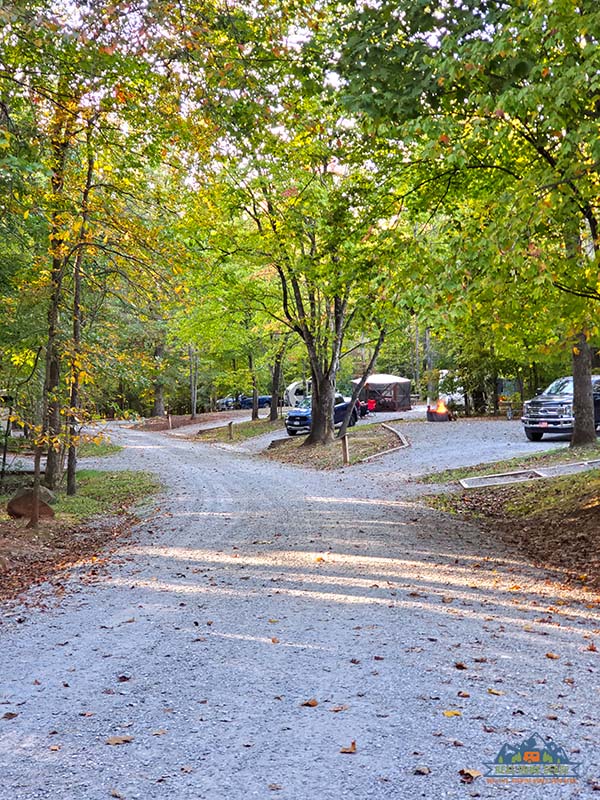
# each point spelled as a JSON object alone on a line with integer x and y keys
{"x": 114, "y": 740}
{"x": 311, "y": 703}
{"x": 452, "y": 712}
{"x": 496, "y": 692}
{"x": 351, "y": 749}
{"x": 553, "y": 656}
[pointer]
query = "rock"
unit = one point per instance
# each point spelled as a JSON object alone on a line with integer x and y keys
{"x": 21, "y": 504}
{"x": 46, "y": 494}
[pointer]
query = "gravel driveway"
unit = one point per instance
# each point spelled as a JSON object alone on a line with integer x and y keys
{"x": 252, "y": 588}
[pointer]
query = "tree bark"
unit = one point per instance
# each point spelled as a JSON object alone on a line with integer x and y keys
{"x": 276, "y": 375}
{"x": 584, "y": 429}
{"x": 75, "y": 399}
{"x": 358, "y": 387}
{"x": 193, "y": 358}
{"x": 158, "y": 408}
{"x": 322, "y": 428}
{"x": 254, "y": 387}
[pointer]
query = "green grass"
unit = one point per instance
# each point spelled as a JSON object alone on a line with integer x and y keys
{"x": 363, "y": 441}
{"x": 241, "y": 430}
{"x": 101, "y": 492}
{"x": 550, "y": 457}
{"x": 93, "y": 449}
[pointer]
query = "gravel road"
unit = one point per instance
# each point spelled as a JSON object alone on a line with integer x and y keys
{"x": 251, "y": 588}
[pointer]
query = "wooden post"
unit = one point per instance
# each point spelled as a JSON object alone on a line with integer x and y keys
{"x": 345, "y": 451}
{"x": 230, "y": 426}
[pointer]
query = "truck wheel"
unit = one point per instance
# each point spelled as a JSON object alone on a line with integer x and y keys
{"x": 533, "y": 436}
{"x": 352, "y": 420}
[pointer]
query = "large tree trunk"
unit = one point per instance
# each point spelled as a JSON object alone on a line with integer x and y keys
{"x": 322, "y": 428}
{"x": 584, "y": 429}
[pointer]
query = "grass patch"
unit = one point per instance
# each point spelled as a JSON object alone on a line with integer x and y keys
{"x": 552, "y": 521}
{"x": 240, "y": 430}
{"x": 101, "y": 492}
{"x": 100, "y": 449}
{"x": 550, "y": 457}
{"x": 363, "y": 441}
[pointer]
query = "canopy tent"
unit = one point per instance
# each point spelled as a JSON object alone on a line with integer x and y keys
{"x": 390, "y": 392}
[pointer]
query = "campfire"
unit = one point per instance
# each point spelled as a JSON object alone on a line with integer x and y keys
{"x": 438, "y": 414}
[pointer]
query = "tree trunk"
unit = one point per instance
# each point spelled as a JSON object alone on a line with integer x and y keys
{"x": 276, "y": 375}
{"x": 158, "y": 408}
{"x": 359, "y": 386}
{"x": 322, "y": 428}
{"x": 75, "y": 400}
{"x": 584, "y": 429}
{"x": 193, "y": 358}
{"x": 254, "y": 387}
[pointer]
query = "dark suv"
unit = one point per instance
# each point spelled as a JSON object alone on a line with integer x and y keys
{"x": 552, "y": 410}
{"x": 299, "y": 419}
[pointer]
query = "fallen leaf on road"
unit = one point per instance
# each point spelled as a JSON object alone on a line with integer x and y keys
{"x": 187, "y": 769}
{"x": 114, "y": 793}
{"x": 378, "y": 658}
{"x": 275, "y": 787}
{"x": 273, "y": 621}
{"x": 337, "y": 709}
{"x": 114, "y": 740}
{"x": 460, "y": 665}
{"x": 274, "y": 640}
{"x": 496, "y": 692}
{"x": 464, "y": 694}
{"x": 54, "y": 747}
{"x": 311, "y": 703}
{"x": 123, "y": 678}
{"x": 469, "y": 775}
{"x": 452, "y": 713}
{"x": 318, "y": 559}
{"x": 553, "y": 656}
{"x": 160, "y": 732}
{"x": 351, "y": 749}
{"x": 10, "y": 715}
{"x": 421, "y": 770}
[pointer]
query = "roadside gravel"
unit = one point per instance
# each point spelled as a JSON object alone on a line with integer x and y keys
{"x": 251, "y": 588}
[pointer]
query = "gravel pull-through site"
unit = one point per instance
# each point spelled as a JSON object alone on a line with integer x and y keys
{"x": 273, "y": 632}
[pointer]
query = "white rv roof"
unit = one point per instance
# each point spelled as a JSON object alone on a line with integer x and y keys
{"x": 382, "y": 379}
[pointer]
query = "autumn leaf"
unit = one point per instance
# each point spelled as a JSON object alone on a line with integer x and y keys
{"x": 160, "y": 732}
{"x": 274, "y": 640}
{"x": 311, "y": 703}
{"x": 464, "y": 694}
{"x": 553, "y": 656}
{"x": 275, "y": 787}
{"x": 421, "y": 770}
{"x": 351, "y": 749}
{"x": 115, "y": 740}
{"x": 496, "y": 692}
{"x": 460, "y": 665}
{"x": 469, "y": 775}
{"x": 337, "y": 709}
{"x": 452, "y": 712}
{"x": 10, "y": 715}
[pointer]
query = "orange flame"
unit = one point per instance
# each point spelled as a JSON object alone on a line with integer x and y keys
{"x": 441, "y": 407}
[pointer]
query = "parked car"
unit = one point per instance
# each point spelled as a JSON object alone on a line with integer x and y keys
{"x": 552, "y": 410}
{"x": 264, "y": 401}
{"x": 299, "y": 419}
{"x": 225, "y": 403}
